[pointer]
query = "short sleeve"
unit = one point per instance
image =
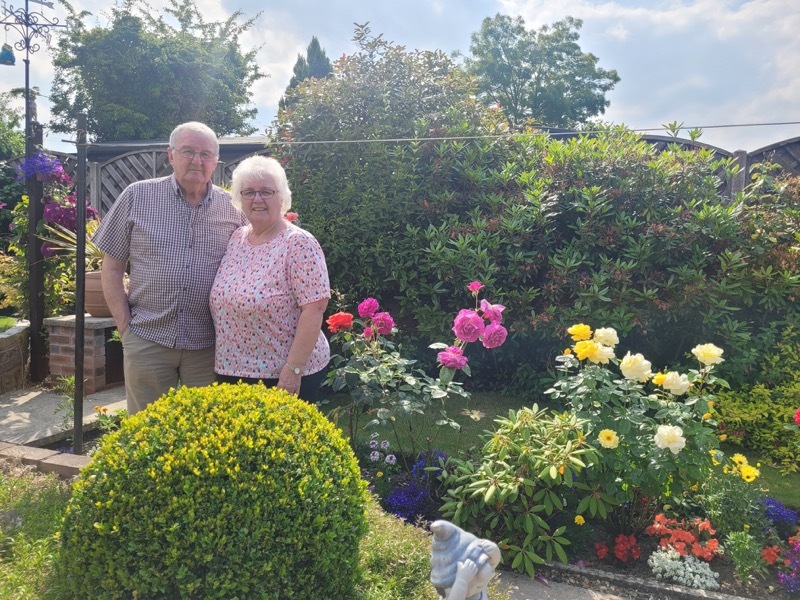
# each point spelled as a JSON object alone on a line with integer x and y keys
{"x": 113, "y": 236}
{"x": 308, "y": 273}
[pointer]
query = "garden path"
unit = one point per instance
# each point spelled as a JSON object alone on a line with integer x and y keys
{"x": 30, "y": 416}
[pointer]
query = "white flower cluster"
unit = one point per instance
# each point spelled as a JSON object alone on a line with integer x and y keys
{"x": 689, "y": 571}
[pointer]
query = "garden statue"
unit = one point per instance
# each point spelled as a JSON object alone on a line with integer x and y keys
{"x": 461, "y": 564}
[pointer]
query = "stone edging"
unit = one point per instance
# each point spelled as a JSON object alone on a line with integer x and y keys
{"x": 47, "y": 461}
{"x": 678, "y": 592}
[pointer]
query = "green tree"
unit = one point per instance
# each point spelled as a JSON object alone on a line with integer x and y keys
{"x": 540, "y": 74}
{"x": 314, "y": 64}
{"x": 12, "y": 138}
{"x": 141, "y": 76}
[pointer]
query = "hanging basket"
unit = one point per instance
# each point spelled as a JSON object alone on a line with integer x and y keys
{"x": 7, "y": 56}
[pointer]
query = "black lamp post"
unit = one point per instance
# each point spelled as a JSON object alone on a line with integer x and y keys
{"x": 33, "y": 26}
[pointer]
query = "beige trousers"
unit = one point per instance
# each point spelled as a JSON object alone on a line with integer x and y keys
{"x": 152, "y": 369}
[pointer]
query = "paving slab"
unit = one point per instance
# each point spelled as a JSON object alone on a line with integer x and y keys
{"x": 31, "y": 416}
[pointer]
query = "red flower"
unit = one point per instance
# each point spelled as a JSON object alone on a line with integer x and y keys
{"x": 601, "y": 549}
{"x": 770, "y": 554}
{"x": 339, "y": 321}
{"x": 291, "y": 217}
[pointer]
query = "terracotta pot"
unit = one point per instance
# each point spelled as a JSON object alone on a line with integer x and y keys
{"x": 95, "y": 300}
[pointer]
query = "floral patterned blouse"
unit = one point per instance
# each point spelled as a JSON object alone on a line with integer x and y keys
{"x": 256, "y": 298}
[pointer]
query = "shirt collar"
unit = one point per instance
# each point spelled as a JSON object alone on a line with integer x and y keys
{"x": 179, "y": 192}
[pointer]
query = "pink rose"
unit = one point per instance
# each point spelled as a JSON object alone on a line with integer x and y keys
{"x": 494, "y": 335}
{"x": 452, "y": 358}
{"x": 493, "y": 312}
{"x": 368, "y": 332}
{"x": 367, "y": 308}
{"x": 291, "y": 217}
{"x": 475, "y": 287}
{"x": 468, "y": 325}
{"x": 383, "y": 322}
{"x": 797, "y": 416}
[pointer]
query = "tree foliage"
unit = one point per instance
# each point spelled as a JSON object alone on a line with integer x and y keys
{"x": 12, "y": 138}
{"x": 538, "y": 74}
{"x": 314, "y": 64}
{"x": 141, "y": 76}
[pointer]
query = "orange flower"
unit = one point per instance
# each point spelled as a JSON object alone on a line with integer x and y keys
{"x": 770, "y": 554}
{"x": 339, "y": 321}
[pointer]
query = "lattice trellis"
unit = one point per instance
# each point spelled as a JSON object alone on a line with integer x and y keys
{"x": 113, "y": 176}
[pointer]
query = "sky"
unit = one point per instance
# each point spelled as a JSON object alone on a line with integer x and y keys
{"x": 703, "y": 63}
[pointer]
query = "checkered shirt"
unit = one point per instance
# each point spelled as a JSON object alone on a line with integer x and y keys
{"x": 174, "y": 250}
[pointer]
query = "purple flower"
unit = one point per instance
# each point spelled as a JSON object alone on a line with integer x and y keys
{"x": 374, "y": 456}
{"x": 452, "y": 358}
{"x": 373, "y": 444}
{"x": 494, "y": 335}
{"x": 368, "y": 332}
{"x": 493, "y": 312}
{"x": 391, "y": 459}
{"x": 385, "y": 445}
{"x": 374, "y": 435}
{"x": 367, "y": 308}
{"x": 383, "y": 322}
{"x": 468, "y": 325}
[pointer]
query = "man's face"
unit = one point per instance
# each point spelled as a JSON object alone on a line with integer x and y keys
{"x": 193, "y": 159}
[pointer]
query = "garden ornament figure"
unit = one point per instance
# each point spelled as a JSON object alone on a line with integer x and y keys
{"x": 461, "y": 564}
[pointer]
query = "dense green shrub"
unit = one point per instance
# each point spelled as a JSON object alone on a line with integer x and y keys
{"x": 756, "y": 418}
{"x": 603, "y": 229}
{"x": 218, "y": 492}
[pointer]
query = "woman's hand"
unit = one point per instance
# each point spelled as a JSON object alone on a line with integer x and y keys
{"x": 289, "y": 381}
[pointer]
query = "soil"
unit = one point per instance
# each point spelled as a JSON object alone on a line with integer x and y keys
{"x": 636, "y": 578}
{"x": 91, "y": 440}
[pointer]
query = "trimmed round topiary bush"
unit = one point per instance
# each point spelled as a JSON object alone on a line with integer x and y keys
{"x": 227, "y": 491}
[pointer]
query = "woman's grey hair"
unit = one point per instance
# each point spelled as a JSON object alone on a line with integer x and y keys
{"x": 198, "y": 127}
{"x": 255, "y": 168}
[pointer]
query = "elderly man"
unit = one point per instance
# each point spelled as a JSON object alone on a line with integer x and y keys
{"x": 173, "y": 232}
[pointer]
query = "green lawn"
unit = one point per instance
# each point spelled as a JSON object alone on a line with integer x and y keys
{"x": 7, "y": 323}
{"x": 491, "y": 405}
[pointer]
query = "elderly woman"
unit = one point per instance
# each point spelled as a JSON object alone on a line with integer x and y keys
{"x": 271, "y": 290}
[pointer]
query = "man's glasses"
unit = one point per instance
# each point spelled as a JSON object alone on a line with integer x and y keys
{"x": 251, "y": 194}
{"x": 189, "y": 154}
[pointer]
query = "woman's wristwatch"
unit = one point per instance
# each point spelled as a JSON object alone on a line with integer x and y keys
{"x": 295, "y": 370}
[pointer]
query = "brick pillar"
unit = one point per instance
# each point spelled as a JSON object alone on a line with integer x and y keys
{"x": 62, "y": 350}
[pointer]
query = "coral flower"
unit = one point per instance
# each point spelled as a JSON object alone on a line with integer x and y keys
{"x": 339, "y": 322}
{"x": 291, "y": 217}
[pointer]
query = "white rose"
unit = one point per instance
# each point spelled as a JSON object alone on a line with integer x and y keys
{"x": 708, "y": 354}
{"x": 607, "y": 336}
{"x": 670, "y": 436}
{"x": 676, "y": 383}
{"x": 634, "y": 366}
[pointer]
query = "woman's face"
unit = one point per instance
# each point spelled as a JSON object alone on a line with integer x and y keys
{"x": 261, "y": 202}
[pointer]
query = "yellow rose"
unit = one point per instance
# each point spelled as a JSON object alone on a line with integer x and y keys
{"x": 608, "y": 438}
{"x": 723, "y": 437}
{"x": 567, "y": 351}
{"x": 579, "y": 520}
{"x": 708, "y": 354}
{"x": 580, "y": 332}
{"x": 658, "y": 378}
{"x": 706, "y": 416}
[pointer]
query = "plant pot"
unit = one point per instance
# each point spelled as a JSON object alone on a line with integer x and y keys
{"x": 95, "y": 301}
